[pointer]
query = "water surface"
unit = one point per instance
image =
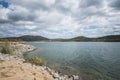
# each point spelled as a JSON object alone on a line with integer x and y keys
{"x": 90, "y": 60}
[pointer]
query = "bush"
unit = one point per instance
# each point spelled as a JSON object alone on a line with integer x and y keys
{"x": 36, "y": 60}
{"x": 7, "y": 50}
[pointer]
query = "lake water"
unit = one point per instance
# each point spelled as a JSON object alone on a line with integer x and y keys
{"x": 90, "y": 60}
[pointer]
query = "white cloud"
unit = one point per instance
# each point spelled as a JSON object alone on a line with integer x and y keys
{"x": 30, "y": 27}
{"x": 3, "y": 13}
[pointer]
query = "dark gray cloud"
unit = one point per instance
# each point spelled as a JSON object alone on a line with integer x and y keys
{"x": 3, "y": 21}
{"x": 61, "y": 7}
{"x": 21, "y": 16}
{"x": 34, "y": 4}
{"x": 88, "y": 3}
{"x": 115, "y": 4}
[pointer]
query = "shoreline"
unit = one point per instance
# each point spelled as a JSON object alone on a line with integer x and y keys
{"x": 18, "y": 57}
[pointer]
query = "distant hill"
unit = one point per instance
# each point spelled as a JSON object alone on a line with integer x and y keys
{"x": 110, "y": 38}
{"x": 26, "y": 38}
{"x": 32, "y": 38}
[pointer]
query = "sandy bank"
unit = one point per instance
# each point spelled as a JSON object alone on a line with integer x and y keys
{"x": 15, "y": 70}
{"x": 12, "y": 67}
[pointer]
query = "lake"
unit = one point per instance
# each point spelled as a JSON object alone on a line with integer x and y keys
{"x": 90, "y": 60}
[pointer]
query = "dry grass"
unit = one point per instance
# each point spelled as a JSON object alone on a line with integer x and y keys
{"x": 6, "y": 48}
{"x": 36, "y": 60}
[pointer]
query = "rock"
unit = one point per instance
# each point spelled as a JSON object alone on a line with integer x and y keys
{"x": 55, "y": 75}
{"x": 76, "y": 77}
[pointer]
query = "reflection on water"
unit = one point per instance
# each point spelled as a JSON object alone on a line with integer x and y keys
{"x": 91, "y": 60}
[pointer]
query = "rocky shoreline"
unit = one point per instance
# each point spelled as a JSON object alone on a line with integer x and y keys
{"x": 18, "y": 57}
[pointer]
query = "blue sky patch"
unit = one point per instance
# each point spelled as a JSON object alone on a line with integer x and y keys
{"x": 91, "y": 27}
{"x": 4, "y": 4}
{"x": 117, "y": 24}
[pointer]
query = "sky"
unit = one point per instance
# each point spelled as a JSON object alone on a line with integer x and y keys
{"x": 59, "y": 18}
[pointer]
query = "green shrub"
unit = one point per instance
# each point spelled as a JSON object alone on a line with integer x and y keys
{"x": 36, "y": 60}
{"x": 7, "y": 50}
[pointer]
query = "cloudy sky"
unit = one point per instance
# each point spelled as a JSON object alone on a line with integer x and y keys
{"x": 59, "y": 18}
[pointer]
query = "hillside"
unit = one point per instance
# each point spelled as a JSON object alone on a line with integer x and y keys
{"x": 32, "y": 38}
{"x": 26, "y": 38}
{"x": 110, "y": 38}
